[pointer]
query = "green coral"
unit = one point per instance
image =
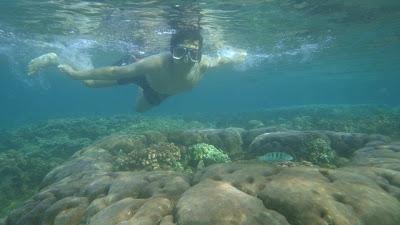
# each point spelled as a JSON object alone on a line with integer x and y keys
{"x": 168, "y": 156}
{"x": 319, "y": 152}
{"x": 205, "y": 153}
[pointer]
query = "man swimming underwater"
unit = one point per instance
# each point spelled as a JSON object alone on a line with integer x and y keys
{"x": 158, "y": 76}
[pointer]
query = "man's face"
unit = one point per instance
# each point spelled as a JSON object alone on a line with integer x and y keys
{"x": 187, "y": 52}
{"x": 191, "y": 44}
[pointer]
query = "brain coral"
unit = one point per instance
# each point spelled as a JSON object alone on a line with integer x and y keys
{"x": 156, "y": 156}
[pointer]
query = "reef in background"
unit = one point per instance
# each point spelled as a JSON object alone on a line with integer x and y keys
{"x": 370, "y": 119}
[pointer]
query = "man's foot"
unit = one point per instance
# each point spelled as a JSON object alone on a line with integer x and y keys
{"x": 40, "y": 62}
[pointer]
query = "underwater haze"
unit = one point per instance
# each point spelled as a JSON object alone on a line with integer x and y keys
{"x": 299, "y": 53}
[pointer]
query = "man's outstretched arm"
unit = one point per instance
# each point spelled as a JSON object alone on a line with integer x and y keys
{"x": 144, "y": 66}
{"x": 227, "y": 56}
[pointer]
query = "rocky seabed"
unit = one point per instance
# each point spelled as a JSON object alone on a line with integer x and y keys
{"x": 88, "y": 189}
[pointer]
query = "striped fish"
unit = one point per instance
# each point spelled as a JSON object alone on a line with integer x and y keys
{"x": 275, "y": 156}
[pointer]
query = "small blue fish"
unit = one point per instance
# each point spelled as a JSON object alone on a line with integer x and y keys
{"x": 275, "y": 156}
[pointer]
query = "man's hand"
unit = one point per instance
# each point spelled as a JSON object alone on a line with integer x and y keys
{"x": 232, "y": 55}
{"x": 227, "y": 55}
{"x": 241, "y": 55}
{"x": 64, "y": 68}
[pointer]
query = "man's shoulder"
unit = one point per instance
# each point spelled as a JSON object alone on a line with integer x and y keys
{"x": 156, "y": 59}
{"x": 163, "y": 57}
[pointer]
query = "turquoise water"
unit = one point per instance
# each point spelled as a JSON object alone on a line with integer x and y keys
{"x": 312, "y": 112}
{"x": 300, "y": 52}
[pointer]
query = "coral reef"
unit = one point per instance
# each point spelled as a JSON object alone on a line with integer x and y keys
{"x": 28, "y": 153}
{"x": 156, "y": 156}
{"x": 379, "y": 154}
{"x": 229, "y": 139}
{"x": 206, "y": 154}
{"x": 369, "y": 119}
{"x": 319, "y": 151}
{"x": 104, "y": 152}
{"x": 319, "y": 147}
{"x": 20, "y": 174}
{"x": 88, "y": 190}
{"x": 253, "y": 124}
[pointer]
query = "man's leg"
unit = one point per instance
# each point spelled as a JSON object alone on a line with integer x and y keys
{"x": 36, "y": 64}
{"x": 100, "y": 83}
{"x": 142, "y": 104}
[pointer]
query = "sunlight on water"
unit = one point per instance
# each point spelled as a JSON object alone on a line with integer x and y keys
{"x": 76, "y": 53}
{"x": 280, "y": 53}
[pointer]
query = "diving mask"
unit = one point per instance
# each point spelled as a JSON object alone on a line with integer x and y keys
{"x": 193, "y": 54}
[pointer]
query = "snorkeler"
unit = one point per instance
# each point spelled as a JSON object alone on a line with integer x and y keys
{"x": 157, "y": 76}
